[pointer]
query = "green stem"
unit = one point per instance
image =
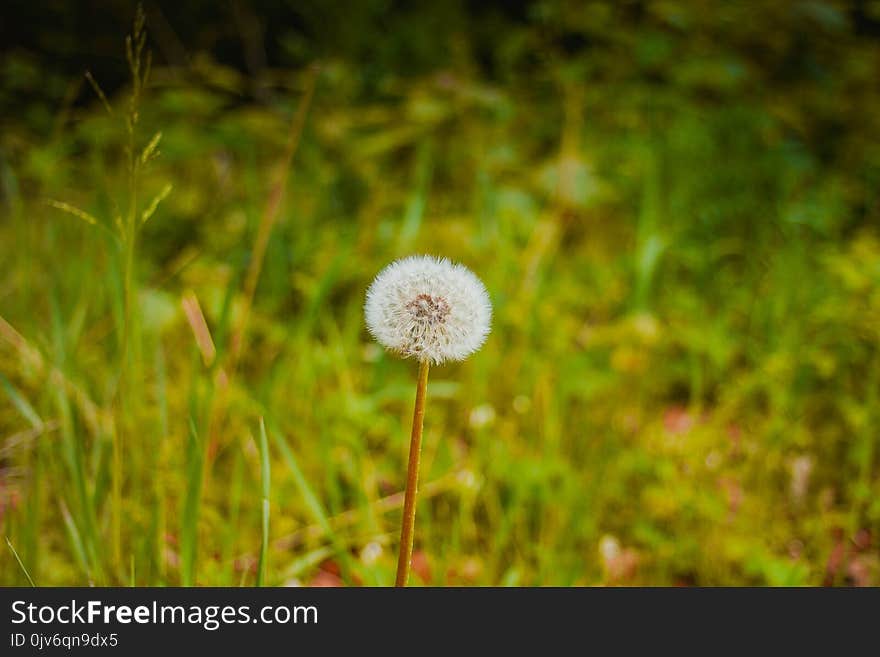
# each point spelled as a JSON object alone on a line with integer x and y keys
{"x": 412, "y": 479}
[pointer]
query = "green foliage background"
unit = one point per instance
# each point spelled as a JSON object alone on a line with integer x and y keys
{"x": 674, "y": 206}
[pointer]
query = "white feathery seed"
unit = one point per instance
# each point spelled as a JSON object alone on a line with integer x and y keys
{"x": 429, "y": 309}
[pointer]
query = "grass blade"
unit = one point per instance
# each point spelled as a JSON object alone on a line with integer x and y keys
{"x": 76, "y": 540}
{"x": 20, "y": 564}
{"x": 21, "y": 403}
{"x": 312, "y": 502}
{"x": 265, "y": 479}
{"x": 190, "y": 517}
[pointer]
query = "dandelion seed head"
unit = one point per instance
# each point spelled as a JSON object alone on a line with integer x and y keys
{"x": 429, "y": 309}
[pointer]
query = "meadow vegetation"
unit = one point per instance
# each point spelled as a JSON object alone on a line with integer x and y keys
{"x": 673, "y": 205}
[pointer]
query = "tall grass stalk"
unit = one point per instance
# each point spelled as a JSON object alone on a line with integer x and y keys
{"x": 265, "y": 477}
{"x": 189, "y": 528}
{"x": 139, "y": 67}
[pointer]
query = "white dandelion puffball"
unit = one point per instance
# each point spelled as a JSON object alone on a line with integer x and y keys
{"x": 429, "y": 309}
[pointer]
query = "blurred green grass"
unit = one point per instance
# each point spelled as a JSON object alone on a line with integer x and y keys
{"x": 681, "y": 385}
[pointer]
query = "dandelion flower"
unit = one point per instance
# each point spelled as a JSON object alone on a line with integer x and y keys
{"x": 434, "y": 311}
{"x": 429, "y": 309}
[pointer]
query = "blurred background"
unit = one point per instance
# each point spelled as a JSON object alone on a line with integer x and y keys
{"x": 673, "y": 204}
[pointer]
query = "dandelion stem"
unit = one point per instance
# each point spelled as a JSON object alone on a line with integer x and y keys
{"x": 412, "y": 478}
